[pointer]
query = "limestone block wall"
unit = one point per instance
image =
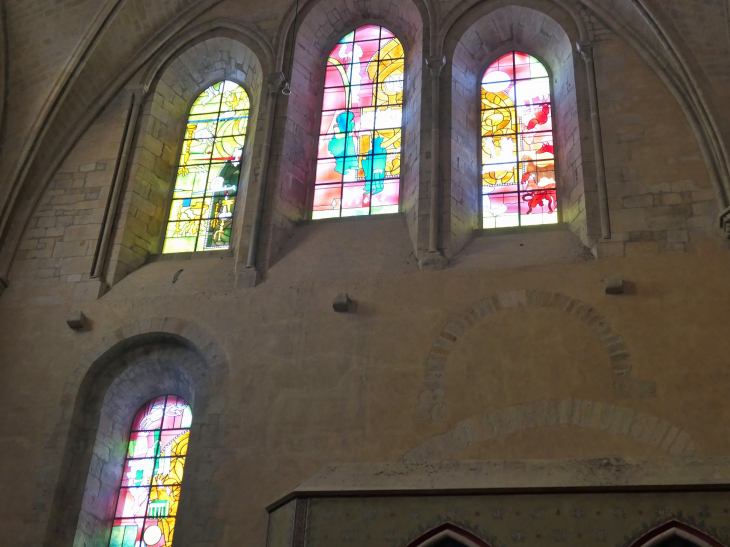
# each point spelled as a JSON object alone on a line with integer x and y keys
{"x": 513, "y": 354}
{"x": 309, "y": 388}
{"x": 59, "y": 243}
{"x": 660, "y": 196}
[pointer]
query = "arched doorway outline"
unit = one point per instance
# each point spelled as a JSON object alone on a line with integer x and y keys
{"x": 675, "y": 528}
{"x": 450, "y": 530}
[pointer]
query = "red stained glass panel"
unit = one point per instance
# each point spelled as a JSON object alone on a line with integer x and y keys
{"x": 518, "y": 148}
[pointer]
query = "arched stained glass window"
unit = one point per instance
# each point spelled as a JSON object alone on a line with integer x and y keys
{"x": 210, "y": 166}
{"x": 359, "y": 152}
{"x": 153, "y": 472}
{"x": 518, "y": 161}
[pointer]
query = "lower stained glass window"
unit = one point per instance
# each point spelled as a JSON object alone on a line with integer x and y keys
{"x": 359, "y": 151}
{"x": 210, "y": 166}
{"x": 148, "y": 499}
{"x": 518, "y": 160}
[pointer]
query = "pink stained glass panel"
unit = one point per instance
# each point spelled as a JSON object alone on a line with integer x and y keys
{"x": 368, "y": 32}
{"x": 151, "y": 481}
{"x": 518, "y": 149}
{"x": 360, "y": 131}
{"x": 150, "y": 415}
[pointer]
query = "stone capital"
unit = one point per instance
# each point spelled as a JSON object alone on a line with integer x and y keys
{"x": 436, "y": 63}
{"x": 139, "y": 92}
{"x": 585, "y": 50}
{"x": 275, "y": 81}
{"x": 725, "y": 222}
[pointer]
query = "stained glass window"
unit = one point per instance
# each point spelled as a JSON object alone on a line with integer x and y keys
{"x": 518, "y": 161}
{"x": 153, "y": 472}
{"x": 210, "y": 165}
{"x": 359, "y": 152}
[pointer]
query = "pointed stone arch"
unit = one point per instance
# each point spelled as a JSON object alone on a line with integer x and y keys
{"x": 676, "y": 528}
{"x": 431, "y": 401}
{"x": 446, "y": 531}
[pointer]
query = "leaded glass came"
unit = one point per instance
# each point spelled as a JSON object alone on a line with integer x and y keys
{"x": 359, "y": 152}
{"x": 210, "y": 166}
{"x": 518, "y": 159}
{"x": 148, "y": 498}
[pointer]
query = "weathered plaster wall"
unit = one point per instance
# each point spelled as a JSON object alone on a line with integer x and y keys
{"x": 309, "y": 387}
{"x": 544, "y": 373}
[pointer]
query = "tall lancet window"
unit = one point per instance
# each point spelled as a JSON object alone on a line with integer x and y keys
{"x": 153, "y": 471}
{"x": 359, "y": 152}
{"x": 518, "y": 160}
{"x": 210, "y": 167}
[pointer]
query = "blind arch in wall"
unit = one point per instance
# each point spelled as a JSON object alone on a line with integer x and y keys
{"x": 359, "y": 150}
{"x": 148, "y": 497}
{"x": 208, "y": 175}
{"x": 518, "y": 155}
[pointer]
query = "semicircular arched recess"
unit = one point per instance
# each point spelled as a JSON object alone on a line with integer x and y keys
{"x": 582, "y": 413}
{"x": 662, "y": 535}
{"x": 431, "y": 400}
{"x": 190, "y": 70}
{"x": 479, "y": 38}
{"x": 81, "y": 465}
{"x": 648, "y": 30}
{"x": 321, "y": 25}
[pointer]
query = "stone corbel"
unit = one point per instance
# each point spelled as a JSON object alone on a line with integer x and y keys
{"x": 433, "y": 259}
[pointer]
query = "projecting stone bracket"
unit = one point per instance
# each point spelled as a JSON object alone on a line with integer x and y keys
{"x": 247, "y": 278}
{"x": 433, "y": 262}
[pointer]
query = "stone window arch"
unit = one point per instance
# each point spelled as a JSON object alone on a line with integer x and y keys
{"x": 361, "y": 126}
{"x": 209, "y": 170}
{"x": 480, "y": 37}
{"x": 320, "y": 26}
{"x": 149, "y": 494}
{"x": 86, "y": 456}
{"x": 517, "y": 143}
{"x": 141, "y": 222}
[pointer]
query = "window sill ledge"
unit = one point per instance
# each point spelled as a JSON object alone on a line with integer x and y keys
{"x": 489, "y": 232}
{"x": 349, "y": 219}
{"x": 189, "y": 256}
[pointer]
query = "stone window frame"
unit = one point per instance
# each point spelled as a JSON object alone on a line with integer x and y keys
{"x": 158, "y": 356}
{"x": 170, "y": 84}
{"x": 246, "y": 158}
{"x": 485, "y": 232}
{"x": 318, "y": 124}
